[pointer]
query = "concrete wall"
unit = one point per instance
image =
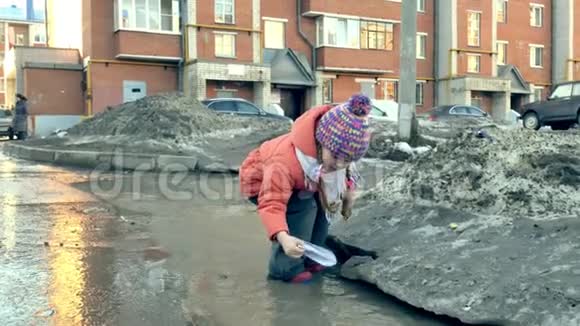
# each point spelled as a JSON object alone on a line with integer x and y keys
{"x": 243, "y": 90}
{"x": 44, "y": 125}
{"x": 446, "y": 35}
{"x": 197, "y": 75}
{"x": 54, "y": 91}
{"x": 446, "y": 40}
{"x": 562, "y": 40}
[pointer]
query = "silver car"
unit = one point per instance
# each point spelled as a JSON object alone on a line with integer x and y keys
{"x": 6, "y": 124}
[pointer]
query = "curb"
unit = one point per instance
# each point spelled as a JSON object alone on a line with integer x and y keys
{"x": 118, "y": 160}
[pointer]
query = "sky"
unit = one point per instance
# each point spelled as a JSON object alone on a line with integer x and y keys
{"x": 16, "y": 9}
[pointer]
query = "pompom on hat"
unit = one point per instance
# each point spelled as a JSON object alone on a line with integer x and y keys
{"x": 344, "y": 129}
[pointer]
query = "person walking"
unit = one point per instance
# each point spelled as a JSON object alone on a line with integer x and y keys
{"x": 20, "y": 121}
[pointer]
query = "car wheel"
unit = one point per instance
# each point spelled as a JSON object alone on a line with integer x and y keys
{"x": 531, "y": 121}
{"x": 10, "y": 134}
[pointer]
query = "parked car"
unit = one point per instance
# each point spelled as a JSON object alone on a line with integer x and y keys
{"x": 274, "y": 108}
{"x": 6, "y": 124}
{"x": 446, "y": 112}
{"x": 560, "y": 111}
{"x": 384, "y": 110}
{"x": 241, "y": 107}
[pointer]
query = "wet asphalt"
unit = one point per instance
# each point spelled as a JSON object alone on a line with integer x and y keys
{"x": 84, "y": 247}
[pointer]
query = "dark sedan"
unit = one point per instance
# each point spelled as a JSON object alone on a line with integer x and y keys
{"x": 241, "y": 107}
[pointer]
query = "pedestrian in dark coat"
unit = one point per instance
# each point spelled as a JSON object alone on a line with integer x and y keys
{"x": 20, "y": 121}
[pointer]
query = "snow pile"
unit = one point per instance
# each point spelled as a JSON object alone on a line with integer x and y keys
{"x": 171, "y": 124}
{"x": 167, "y": 117}
{"x": 514, "y": 172}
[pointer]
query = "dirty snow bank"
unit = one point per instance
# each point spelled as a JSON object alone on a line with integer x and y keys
{"x": 167, "y": 124}
{"x": 482, "y": 229}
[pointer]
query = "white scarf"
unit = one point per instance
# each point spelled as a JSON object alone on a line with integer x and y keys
{"x": 334, "y": 183}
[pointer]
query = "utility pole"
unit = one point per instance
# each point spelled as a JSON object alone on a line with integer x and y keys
{"x": 408, "y": 68}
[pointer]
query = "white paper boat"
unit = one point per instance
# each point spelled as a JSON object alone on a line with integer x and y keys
{"x": 320, "y": 255}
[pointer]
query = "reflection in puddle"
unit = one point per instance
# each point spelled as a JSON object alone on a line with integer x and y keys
{"x": 67, "y": 267}
{"x": 8, "y": 206}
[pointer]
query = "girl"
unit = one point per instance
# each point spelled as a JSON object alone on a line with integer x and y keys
{"x": 305, "y": 178}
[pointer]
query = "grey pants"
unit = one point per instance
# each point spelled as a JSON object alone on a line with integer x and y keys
{"x": 306, "y": 220}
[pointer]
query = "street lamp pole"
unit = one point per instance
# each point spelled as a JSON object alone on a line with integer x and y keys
{"x": 407, "y": 130}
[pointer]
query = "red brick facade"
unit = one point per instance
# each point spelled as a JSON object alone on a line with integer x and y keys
{"x": 124, "y": 55}
{"x": 520, "y": 35}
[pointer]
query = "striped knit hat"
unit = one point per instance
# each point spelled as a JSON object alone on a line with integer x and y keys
{"x": 344, "y": 129}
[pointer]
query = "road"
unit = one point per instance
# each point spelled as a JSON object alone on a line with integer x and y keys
{"x": 111, "y": 248}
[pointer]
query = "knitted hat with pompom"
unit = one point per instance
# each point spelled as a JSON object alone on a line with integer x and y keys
{"x": 344, "y": 129}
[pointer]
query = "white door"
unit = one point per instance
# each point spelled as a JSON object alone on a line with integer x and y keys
{"x": 133, "y": 90}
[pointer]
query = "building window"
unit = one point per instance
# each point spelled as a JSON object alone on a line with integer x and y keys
{"x": 419, "y": 94}
{"x": 502, "y": 11}
{"x": 2, "y": 86}
{"x": 376, "y": 35}
{"x": 274, "y": 34}
{"x": 538, "y": 96}
{"x": 536, "y": 56}
{"x": 225, "y": 45}
{"x": 391, "y": 90}
{"x": 473, "y": 63}
{"x": 224, "y": 11}
{"x": 327, "y": 91}
{"x": 502, "y": 47}
{"x": 473, "y": 28}
{"x": 19, "y": 39}
{"x": 339, "y": 32}
{"x": 150, "y": 15}
{"x": 536, "y": 15}
{"x": 421, "y": 5}
{"x": 421, "y": 45}
{"x": 39, "y": 32}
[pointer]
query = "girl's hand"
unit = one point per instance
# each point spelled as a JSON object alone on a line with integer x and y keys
{"x": 293, "y": 247}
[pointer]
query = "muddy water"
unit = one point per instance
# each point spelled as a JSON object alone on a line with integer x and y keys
{"x": 212, "y": 239}
{"x": 144, "y": 249}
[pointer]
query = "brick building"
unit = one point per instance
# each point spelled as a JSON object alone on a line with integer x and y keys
{"x": 497, "y": 54}
{"x": 21, "y": 24}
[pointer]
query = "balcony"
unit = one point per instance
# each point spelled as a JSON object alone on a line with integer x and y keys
{"x": 367, "y": 61}
{"x": 380, "y": 9}
{"x": 147, "y": 46}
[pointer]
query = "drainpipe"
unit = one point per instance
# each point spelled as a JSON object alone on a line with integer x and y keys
{"x": 435, "y": 54}
{"x": 183, "y": 21}
{"x": 46, "y": 22}
{"x": 301, "y": 32}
